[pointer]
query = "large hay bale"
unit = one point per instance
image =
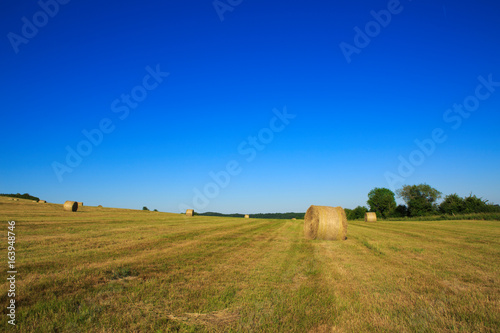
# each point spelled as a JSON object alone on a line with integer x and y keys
{"x": 80, "y": 204}
{"x": 370, "y": 217}
{"x": 70, "y": 206}
{"x": 326, "y": 223}
{"x": 189, "y": 212}
{"x": 42, "y": 201}
{"x": 247, "y": 216}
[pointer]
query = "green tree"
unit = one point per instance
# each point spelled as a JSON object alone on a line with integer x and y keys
{"x": 452, "y": 204}
{"x": 420, "y": 199}
{"x": 145, "y": 208}
{"x": 473, "y": 204}
{"x": 356, "y": 213}
{"x": 492, "y": 208}
{"x": 400, "y": 211}
{"x": 381, "y": 201}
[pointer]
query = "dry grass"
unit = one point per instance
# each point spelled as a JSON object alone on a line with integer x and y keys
{"x": 105, "y": 270}
{"x": 214, "y": 320}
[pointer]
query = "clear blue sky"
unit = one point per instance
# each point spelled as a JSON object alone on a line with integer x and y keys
{"x": 357, "y": 113}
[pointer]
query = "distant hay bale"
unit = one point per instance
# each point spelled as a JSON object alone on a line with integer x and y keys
{"x": 16, "y": 199}
{"x": 370, "y": 217}
{"x": 70, "y": 206}
{"x": 189, "y": 212}
{"x": 326, "y": 223}
{"x": 247, "y": 216}
{"x": 42, "y": 201}
{"x": 80, "y": 204}
{"x": 100, "y": 206}
{"x": 294, "y": 219}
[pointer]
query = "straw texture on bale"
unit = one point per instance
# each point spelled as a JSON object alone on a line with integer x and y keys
{"x": 70, "y": 206}
{"x": 370, "y": 217}
{"x": 42, "y": 201}
{"x": 80, "y": 204}
{"x": 189, "y": 212}
{"x": 326, "y": 223}
{"x": 247, "y": 216}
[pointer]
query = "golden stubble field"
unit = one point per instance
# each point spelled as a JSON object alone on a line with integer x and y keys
{"x": 106, "y": 270}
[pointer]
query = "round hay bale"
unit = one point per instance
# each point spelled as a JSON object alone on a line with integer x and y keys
{"x": 100, "y": 206}
{"x": 294, "y": 219}
{"x": 370, "y": 217}
{"x": 189, "y": 212}
{"x": 247, "y": 216}
{"x": 80, "y": 204}
{"x": 42, "y": 201}
{"x": 70, "y": 206}
{"x": 326, "y": 223}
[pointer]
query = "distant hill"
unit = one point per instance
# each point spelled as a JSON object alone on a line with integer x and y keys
{"x": 282, "y": 216}
{"x": 21, "y": 196}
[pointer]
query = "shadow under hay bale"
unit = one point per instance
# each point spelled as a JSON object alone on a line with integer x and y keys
{"x": 325, "y": 223}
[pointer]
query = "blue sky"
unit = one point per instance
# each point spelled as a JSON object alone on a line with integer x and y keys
{"x": 352, "y": 120}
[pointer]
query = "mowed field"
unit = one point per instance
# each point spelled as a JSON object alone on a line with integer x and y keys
{"x": 105, "y": 270}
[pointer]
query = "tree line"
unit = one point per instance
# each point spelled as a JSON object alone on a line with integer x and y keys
{"x": 420, "y": 200}
{"x": 282, "y": 216}
{"x": 21, "y": 196}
